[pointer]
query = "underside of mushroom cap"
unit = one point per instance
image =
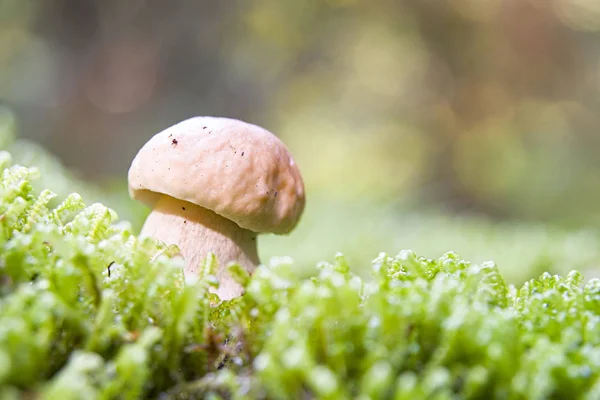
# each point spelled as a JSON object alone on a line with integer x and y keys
{"x": 238, "y": 170}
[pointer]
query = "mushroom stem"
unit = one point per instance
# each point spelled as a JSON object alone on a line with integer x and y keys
{"x": 198, "y": 231}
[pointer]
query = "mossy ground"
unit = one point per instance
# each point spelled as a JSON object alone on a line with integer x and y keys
{"x": 88, "y": 310}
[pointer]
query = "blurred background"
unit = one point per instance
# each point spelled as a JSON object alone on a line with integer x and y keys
{"x": 462, "y": 125}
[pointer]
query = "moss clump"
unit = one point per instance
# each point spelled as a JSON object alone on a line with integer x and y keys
{"x": 88, "y": 310}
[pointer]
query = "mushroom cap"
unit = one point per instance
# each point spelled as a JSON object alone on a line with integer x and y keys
{"x": 238, "y": 170}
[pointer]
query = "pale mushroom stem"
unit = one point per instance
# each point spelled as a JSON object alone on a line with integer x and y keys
{"x": 198, "y": 231}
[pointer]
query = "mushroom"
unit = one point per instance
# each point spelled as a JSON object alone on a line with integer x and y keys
{"x": 214, "y": 184}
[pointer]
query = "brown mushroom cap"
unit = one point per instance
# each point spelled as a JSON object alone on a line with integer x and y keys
{"x": 238, "y": 170}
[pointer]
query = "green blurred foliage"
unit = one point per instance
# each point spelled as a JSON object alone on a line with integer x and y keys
{"x": 472, "y": 106}
{"x": 521, "y": 250}
{"x": 484, "y": 107}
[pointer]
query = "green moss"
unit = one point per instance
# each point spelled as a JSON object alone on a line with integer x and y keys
{"x": 88, "y": 310}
